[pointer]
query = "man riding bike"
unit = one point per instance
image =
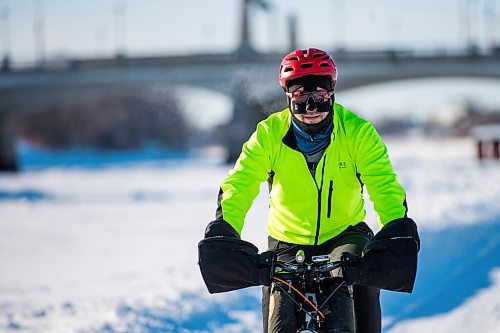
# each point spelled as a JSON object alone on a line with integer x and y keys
{"x": 317, "y": 156}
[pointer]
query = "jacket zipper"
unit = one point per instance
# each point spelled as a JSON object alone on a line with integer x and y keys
{"x": 320, "y": 188}
{"x": 330, "y": 199}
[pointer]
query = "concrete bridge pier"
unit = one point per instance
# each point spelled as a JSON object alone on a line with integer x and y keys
{"x": 8, "y": 157}
{"x": 238, "y": 129}
{"x": 248, "y": 110}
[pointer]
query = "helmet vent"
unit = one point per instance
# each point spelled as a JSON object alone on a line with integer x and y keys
{"x": 303, "y": 62}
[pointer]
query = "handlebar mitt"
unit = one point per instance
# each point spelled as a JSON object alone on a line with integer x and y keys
{"x": 389, "y": 260}
{"x": 228, "y": 263}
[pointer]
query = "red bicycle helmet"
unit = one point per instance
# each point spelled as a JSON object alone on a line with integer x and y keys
{"x": 306, "y": 62}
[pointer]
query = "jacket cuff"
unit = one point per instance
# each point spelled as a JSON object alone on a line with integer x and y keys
{"x": 220, "y": 228}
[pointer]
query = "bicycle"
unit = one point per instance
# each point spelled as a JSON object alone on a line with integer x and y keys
{"x": 313, "y": 281}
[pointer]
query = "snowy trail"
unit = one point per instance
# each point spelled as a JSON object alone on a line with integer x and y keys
{"x": 114, "y": 249}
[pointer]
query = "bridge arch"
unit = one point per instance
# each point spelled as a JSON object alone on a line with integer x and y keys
{"x": 250, "y": 82}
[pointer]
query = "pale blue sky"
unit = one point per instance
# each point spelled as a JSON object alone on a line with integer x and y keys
{"x": 87, "y": 28}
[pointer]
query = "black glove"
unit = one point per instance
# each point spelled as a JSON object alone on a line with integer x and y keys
{"x": 350, "y": 269}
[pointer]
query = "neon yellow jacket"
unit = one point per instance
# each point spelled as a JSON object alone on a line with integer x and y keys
{"x": 310, "y": 211}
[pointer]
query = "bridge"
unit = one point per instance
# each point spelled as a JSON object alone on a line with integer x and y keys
{"x": 250, "y": 79}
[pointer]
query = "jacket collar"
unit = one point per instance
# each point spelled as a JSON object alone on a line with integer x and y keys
{"x": 289, "y": 138}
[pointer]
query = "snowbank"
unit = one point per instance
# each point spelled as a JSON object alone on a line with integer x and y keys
{"x": 114, "y": 249}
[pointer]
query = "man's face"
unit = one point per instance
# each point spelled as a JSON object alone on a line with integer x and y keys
{"x": 312, "y": 115}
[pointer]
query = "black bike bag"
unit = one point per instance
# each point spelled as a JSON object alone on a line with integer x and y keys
{"x": 229, "y": 263}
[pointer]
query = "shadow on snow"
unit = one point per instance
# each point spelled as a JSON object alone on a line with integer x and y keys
{"x": 195, "y": 314}
{"x": 30, "y": 195}
{"x": 453, "y": 265}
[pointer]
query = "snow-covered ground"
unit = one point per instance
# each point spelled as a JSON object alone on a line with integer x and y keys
{"x": 114, "y": 248}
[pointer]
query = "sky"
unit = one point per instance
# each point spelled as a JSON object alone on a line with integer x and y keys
{"x": 101, "y": 27}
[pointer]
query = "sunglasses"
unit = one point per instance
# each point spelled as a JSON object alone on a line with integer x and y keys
{"x": 301, "y": 97}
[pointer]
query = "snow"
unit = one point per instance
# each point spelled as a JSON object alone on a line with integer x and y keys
{"x": 480, "y": 313}
{"x": 113, "y": 249}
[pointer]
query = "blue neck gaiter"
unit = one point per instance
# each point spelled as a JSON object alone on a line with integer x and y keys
{"x": 309, "y": 143}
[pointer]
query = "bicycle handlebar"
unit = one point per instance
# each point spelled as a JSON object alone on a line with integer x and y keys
{"x": 308, "y": 269}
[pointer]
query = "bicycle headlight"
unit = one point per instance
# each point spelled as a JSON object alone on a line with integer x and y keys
{"x": 300, "y": 257}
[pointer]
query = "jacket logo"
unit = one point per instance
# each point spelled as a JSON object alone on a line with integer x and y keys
{"x": 342, "y": 165}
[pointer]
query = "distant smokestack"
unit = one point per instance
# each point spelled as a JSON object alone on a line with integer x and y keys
{"x": 39, "y": 31}
{"x": 292, "y": 31}
{"x": 120, "y": 11}
{"x": 245, "y": 46}
{"x": 489, "y": 24}
{"x": 4, "y": 15}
